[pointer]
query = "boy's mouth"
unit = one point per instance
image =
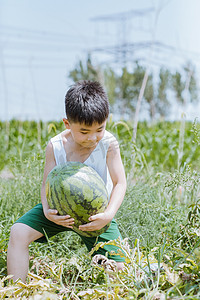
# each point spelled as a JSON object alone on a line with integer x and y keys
{"x": 90, "y": 145}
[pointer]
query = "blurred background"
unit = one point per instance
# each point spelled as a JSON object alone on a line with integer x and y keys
{"x": 146, "y": 54}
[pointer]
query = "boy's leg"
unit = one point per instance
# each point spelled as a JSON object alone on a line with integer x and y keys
{"x": 18, "y": 252}
{"x": 120, "y": 265}
{"x": 30, "y": 227}
{"x": 112, "y": 233}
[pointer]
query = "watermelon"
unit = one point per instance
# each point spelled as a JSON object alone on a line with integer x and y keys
{"x": 77, "y": 190}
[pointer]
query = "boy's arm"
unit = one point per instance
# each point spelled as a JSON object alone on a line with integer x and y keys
{"x": 117, "y": 173}
{"x": 52, "y": 214}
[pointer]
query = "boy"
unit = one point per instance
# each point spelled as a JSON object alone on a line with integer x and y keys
{"x": 85, "y": 140}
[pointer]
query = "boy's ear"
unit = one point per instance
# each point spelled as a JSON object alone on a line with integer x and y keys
{"x": 66, "y": 123}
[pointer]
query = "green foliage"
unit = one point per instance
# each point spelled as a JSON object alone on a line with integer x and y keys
{"x": 23, "y": 140}
{"x": 159, "y": 214}
{"x": 159, "y": 218}
{"x": 178, "y": 86}
{"x": 110, "y": 80}
{"x": 158, "y": 145}
{"x": 85, "y": 71}
{"x": 123, "y": 86}
{"x": 192, "y": 81}
{"x": 149, "y": 96}
{"x": 162, "y": 102}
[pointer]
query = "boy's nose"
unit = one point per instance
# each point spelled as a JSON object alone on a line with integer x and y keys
{"x": 92, "y": 138}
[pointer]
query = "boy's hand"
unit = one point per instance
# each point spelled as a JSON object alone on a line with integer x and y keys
{"x": 66, "y": 221}
{"x": 96, "y": 222}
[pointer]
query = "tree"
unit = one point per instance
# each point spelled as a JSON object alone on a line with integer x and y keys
{"x": 86, "y": 71}
{"x": 163, "y": 103}
{"x": 126, "y": 92}
{"x": 110, "y": 82}
{"x": 124, "y": 88}
{"x": 178, "y": 86}
{"x": 150, "y": 97}
{"x": 191, "y": 83}
{"x": 130, "y": 83}
{"x": 185, "y": 85}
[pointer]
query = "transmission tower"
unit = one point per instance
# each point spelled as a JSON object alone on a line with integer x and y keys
{"x": 124, "y": 49}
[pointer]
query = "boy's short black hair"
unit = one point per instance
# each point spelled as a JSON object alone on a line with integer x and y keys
{"x": 86, "y": 102}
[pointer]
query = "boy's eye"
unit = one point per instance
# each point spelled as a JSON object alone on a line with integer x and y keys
{"x": 83, "y": 132}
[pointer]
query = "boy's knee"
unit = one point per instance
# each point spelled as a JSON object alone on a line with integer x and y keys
{"x": 120, "y": 266}
{"x": 19, "y": 234}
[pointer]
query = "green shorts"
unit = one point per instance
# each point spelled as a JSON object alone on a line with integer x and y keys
{"x": 36, "y": 219}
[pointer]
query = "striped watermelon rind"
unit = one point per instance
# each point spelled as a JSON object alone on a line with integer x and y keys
{"x": 77, "y": 190}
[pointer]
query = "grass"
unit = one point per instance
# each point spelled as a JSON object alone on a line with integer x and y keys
{"x": 159, "y": 221}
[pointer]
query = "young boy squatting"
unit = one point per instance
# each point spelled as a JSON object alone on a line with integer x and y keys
{"x": 85, "y": 140}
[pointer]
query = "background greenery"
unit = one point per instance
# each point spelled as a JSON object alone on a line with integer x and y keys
{"x": 160, "y": 216}
{"x": 165, "y": 88}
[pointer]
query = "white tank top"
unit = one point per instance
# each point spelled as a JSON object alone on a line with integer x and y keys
{"x": 96, "y": 160}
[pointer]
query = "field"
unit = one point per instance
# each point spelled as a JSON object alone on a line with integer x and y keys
{"x": 159, "y": 218}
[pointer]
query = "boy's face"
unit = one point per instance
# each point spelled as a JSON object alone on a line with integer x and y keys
{"x": 84, "y": 135}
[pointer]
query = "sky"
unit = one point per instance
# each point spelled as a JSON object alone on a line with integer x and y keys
{"x": 42, "y": 41}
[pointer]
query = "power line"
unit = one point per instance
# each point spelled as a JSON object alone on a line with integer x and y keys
{"x": 126, "y": 51}
{"x": 122, "y": 50}
{"x": 124, "y": 15}
{"x": 30, "y": 34}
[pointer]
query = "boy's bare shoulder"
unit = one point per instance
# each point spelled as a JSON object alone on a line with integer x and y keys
{"x": 108, "y": 136}
{"x": 49, "y": 148}
{"x": 65, "y": 134}
{"x": 113, "y": 142}
{"x": 60, "y": 136}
